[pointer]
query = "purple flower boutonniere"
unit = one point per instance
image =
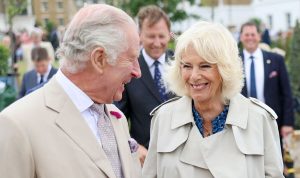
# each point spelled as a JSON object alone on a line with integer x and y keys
{"x": 133, "y": 145}
{"x": 116, "y": 114}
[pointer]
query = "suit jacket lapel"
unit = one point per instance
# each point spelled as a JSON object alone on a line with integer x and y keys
{"x": 147, "y": 78}
{"x": 122, "y": 142}
{"x": 70, "y": 121}
{"x": 33, "y": 80}
{"x": 52, "y": 72}
{"x": 267, "y": 69}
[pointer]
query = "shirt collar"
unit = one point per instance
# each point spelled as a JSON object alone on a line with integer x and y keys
{"x": 47, "y": 72}
{"x": 78, "y": 97}
{"x": 150, "y": 61}
{"x": 257, "y": 53}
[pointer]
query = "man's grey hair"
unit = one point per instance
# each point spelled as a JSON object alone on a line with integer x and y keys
{"x": 93, "y": 26}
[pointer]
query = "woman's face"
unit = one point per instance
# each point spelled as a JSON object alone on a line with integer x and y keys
{"x": 202, "y": 79}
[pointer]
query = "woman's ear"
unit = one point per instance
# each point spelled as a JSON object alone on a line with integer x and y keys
{"x": 98, "y": 59}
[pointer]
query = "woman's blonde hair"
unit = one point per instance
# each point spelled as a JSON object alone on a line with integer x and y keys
{"x": 216, "y": 45}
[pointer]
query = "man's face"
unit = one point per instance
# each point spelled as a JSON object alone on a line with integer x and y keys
{"x": 155, "y": 38}
{"x": 250, "y": 38}
{"x": 126, "y": 68}
{"x": 41, "y": 67}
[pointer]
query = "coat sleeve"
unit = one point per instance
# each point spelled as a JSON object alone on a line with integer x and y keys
{"x": 15, "y": 151}
{"x": 272, "y": 151}
{"x": 150, "y": 165}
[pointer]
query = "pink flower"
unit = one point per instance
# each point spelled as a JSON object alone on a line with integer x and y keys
{"x": 116, "y": 114}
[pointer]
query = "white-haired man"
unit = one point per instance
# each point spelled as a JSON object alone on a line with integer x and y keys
{"x": 68, "y": 128}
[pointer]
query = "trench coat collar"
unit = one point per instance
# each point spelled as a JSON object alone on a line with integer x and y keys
{"x": 235, "y": 117}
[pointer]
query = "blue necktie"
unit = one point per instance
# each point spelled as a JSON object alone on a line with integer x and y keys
{"x": 158, "y": 82}
{"x": 252, "y": 79}
{"x": 42, "y": 79}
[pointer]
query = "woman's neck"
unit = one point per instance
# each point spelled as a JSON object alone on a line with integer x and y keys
{"x": 209, "y": 111}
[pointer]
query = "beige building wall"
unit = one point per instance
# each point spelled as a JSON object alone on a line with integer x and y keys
{"x": 57, "y": 11}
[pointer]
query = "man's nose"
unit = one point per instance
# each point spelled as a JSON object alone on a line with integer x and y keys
{"x": 156, "y": 42}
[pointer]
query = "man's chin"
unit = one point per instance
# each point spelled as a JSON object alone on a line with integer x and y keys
{"x": 117, "y": 97}
{"x": 156, "y": 55}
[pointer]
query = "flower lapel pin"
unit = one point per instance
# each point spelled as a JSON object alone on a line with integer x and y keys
{"x": 116, "y": 114}
{"x": 133, "y": 145}
{"x": 273, "y": 74}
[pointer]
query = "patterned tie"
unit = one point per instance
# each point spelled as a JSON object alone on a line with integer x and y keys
{"x": 42, "y": 79}
{"x": 108, "y": 139}
{"x": 159, "y": 83}
{"x": 252, "y": 79}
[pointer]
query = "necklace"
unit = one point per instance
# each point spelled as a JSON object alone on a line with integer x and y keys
{"x": 207, "y": 131}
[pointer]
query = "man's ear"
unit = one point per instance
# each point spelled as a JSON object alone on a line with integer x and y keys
{"x": 98, "y": 59}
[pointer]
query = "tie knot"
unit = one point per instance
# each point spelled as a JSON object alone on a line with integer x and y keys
{"x": 98, "y": 108}
{"x": 251, "y": 57}
{"x": 156, "y": 63}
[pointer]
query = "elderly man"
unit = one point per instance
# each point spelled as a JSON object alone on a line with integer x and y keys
{"x": 68, "y": 128}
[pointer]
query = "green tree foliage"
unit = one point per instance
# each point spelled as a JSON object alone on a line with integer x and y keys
{"x": 169, "y": 6}
{"x": 294, "y": 66}
{"x": 13, "y": 8}
{"x": 49, "y": 26}
{"x": 4, "y": 55}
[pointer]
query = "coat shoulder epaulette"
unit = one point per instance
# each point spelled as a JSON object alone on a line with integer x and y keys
{"x": 168, "y": 101}
{"x": 264, "y": 106}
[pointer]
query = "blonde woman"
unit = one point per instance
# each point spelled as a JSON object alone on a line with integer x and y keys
{"x": 212, "y": 131}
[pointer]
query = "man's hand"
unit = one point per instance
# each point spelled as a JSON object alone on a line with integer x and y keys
{"x": 286, "y": 130}
{"x": 142, "y": 151}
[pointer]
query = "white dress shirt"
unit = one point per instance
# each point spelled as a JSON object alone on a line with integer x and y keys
{"x": 81, "y": 101}
{"x": 259, "y": 72}
{"x": 150, "y": 62}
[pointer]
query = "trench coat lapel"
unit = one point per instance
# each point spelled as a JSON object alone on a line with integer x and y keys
{"x": 205, "y": 152}
{"x": 70, "y": 121}
{"x": 192, "y": 151}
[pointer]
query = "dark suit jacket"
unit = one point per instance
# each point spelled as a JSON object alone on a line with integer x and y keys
{"x": 139, "y": 98}
{"x": 30, "y": 81}
{"x": 277, "y": 90}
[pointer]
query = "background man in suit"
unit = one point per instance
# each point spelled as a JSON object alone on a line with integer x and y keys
{"x": 144, "y": 94}
{"x": 69, "y": 128}
{"x": 266, "y": 78}
{"x": 41, "y": 73}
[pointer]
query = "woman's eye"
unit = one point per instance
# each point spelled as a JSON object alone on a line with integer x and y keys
{"x": 205, "y": 66}
{"x": 186, "y": 66}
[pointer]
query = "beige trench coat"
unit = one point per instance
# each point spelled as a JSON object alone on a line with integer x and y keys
{"x": 248, "y": 147}
{"x": 43, "y": 135}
